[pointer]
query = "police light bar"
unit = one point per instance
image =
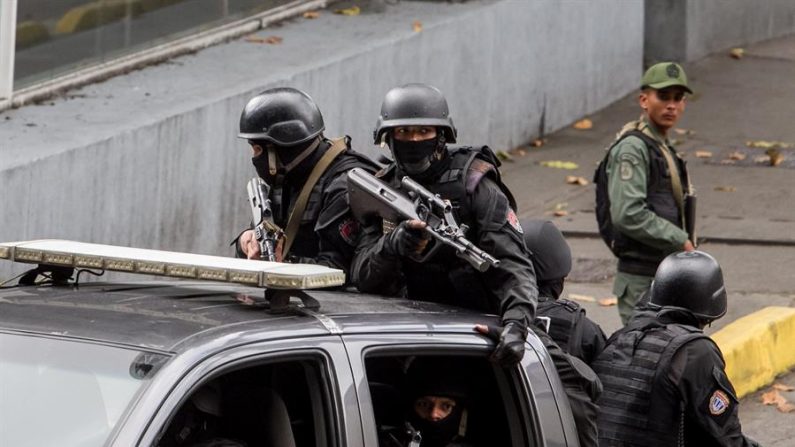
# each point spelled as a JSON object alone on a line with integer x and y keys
{"x": 272, "y": 275}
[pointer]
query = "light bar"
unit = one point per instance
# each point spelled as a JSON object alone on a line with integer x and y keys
{"x": 272, "y": 275}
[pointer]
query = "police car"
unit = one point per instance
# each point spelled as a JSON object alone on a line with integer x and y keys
{"x": 240, "y": 350}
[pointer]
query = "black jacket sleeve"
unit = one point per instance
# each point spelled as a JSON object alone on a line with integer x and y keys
{"x": 513, "y": 283}
{"x": 710, "y": 403}
{"x": 374, "y": 269}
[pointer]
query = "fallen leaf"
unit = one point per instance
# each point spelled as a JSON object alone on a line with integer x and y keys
{"x": 737, "y": 155}
{"x": 272, "y": 40}
{"x": 684, "y": 132}
{"x": 762, "y": 159}
{"x": 583, "y": 298}
{"x": 776, "y": 157}
{"x": 521, "y": 152}
{"x": 538, "y": 142}
{"x": 559, "y": 164}
{"x": 504, "y": 156}
{"x": 607, "y": 302}
{"x": 583, "y": 124}
{"x": 725, "y": 188}
{"x": 785, "y": 407}
{"x": 416, "y": 26}
{"x": 703, "y": 154}
{"x": 560, "y": 213}
{"x": 773, "y": 398}
{"x": 737, "y": 53}
{"x": 762, "y": 144}
{"x": 561, "y": 205}
{"x": 782, "y": 387}
{"x": 352, "y": 11}
{"x": 254, "y": 39}
{"x": 728, "y": 162}
{"x": 574, "y": 180}
{"x": 311, "y": 14}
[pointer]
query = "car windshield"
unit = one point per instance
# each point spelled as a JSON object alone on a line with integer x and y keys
{"x": 55, "y": 391}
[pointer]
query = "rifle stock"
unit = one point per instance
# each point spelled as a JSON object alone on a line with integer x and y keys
{"x": 369, "y": 196}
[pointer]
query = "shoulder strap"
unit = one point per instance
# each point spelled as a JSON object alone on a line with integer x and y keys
{"x": 337, "y": 147}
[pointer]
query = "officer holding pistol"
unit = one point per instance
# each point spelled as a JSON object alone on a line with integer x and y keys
{"x": 416, "y": 126}
{"x": 307, "y": 177}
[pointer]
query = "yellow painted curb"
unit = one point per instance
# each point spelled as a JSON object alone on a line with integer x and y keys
{"x": 758, "y": 347}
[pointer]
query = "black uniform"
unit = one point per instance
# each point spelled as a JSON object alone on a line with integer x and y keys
{"x": 665, "y": 385}
{"x": 571, "y": 329}
{"x": 472, "y": 184}
{"x": 328, "y": 233}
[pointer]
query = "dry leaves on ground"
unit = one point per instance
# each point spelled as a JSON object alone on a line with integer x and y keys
{"x": 538, "y": 142}
{"x": 773, "y": 397}
{"x": 684, "y": 132}
{"x": 737, "y": 53}
{"x": 352, "y": 11}
{"x": 271, "y": 40}
{"x": 776, "y": 157}
{"x": 762, "y": 159}
{"x": 725, "y": 188}
{"x": 703, "y": 154}
{"x": 583, "y": 298}
{"x": 504, "y": 156}
{"x": 560, "y": 209}
{"x": 520, "y": 152}
{"x": 416, "y": 26}
{"x": 728, "y": 162}
{"x": 782, "y": 387}
{"x": 583, "y": 124}
{"x": 762, "y": 144}
{"x": 737, "y": 155}
{"x": 574, "y": 180}
{"x": 311, "y": 14}
{"x": 559, "y": 164}
{"x": 607, "y": 302}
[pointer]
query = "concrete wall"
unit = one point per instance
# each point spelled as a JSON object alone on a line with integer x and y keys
{"x": 688, "y": 30}
{"x": 150, "y": 159}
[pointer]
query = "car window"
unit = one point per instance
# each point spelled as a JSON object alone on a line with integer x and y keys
{"x": 55, "y": 391}
{"x": 276, "y": 404}
{"x": 446, "y": 398}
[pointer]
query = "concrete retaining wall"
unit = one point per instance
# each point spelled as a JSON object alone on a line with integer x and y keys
{"x": 687, "y": 30}
{"x": 150, "y": 159}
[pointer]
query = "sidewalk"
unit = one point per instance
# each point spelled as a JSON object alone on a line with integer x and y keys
{"x": 746, "y": 214}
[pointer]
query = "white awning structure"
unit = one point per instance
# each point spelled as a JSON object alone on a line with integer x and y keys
{"x": 272, "y": 275}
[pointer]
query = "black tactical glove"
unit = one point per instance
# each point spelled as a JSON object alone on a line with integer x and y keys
{"x": 510, "y": 341}
{"x": 406, "y": 241}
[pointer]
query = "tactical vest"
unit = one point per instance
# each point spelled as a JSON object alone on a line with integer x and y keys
{"x": 307, "y": 241}
{"x": 565, "y": 325}
{"x": 632, "y": 413}
{"x": 634, "y": 256}
{"x": 464, "y": 285}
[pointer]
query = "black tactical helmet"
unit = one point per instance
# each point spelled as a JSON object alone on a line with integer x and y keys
{"x": 414, "y": 105}
{"x": 284, "y": 116}
{"x": 551, "y": 253}
{"x": 690, "y": 280}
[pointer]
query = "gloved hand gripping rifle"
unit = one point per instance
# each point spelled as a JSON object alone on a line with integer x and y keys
{"x": 266, "y": 232}
{"x": 370, "y": 196}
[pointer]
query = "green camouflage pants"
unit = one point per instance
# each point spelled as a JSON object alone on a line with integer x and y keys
{"x": 628, "y": 289}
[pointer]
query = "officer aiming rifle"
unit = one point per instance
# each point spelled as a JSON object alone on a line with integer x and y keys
{"x": 370, "y": 196}
{"x": 266, "y": 232}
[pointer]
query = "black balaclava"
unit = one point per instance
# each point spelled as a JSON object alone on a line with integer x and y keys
{"x": 420, "y": 160}
{"x": 277, "y": 162}
{"x": 550, "y": 288}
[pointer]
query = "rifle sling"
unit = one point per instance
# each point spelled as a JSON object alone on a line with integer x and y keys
{"x": 337, "y": 147}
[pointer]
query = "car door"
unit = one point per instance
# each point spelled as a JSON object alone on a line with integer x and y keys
{"x": 518, "y": 406}
{"x": 284, "y": 393}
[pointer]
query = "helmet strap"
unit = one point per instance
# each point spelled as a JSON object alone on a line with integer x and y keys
{"x": 302, "y": 156}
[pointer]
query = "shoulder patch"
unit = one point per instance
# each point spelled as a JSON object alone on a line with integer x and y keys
{"x": 349, "y": 231}
{"x": 514, "y": 221}
{"x": 718, "y": 403}
{"x": 626, "y": 169}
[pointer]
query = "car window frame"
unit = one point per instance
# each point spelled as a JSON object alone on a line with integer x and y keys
{"x": 360, "y": 345}
{"x": 152, "y": 414}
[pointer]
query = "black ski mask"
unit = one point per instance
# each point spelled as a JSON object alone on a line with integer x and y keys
{"x": 420, "y": 159}
{"x": 275, "y": 162}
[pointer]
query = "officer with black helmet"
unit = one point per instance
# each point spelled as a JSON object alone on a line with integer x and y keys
{"x": 571, "y": 329}
{"x": 308, "y": 176}
{"x": 664, "y": 381}
{"x": 416, "y": 126}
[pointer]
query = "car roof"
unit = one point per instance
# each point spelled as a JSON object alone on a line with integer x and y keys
{"x": 173, "y": 316}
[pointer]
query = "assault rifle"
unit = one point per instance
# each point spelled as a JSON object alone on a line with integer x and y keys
{"x": 266, "y": 232}
{"x": 370, "y": 196}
